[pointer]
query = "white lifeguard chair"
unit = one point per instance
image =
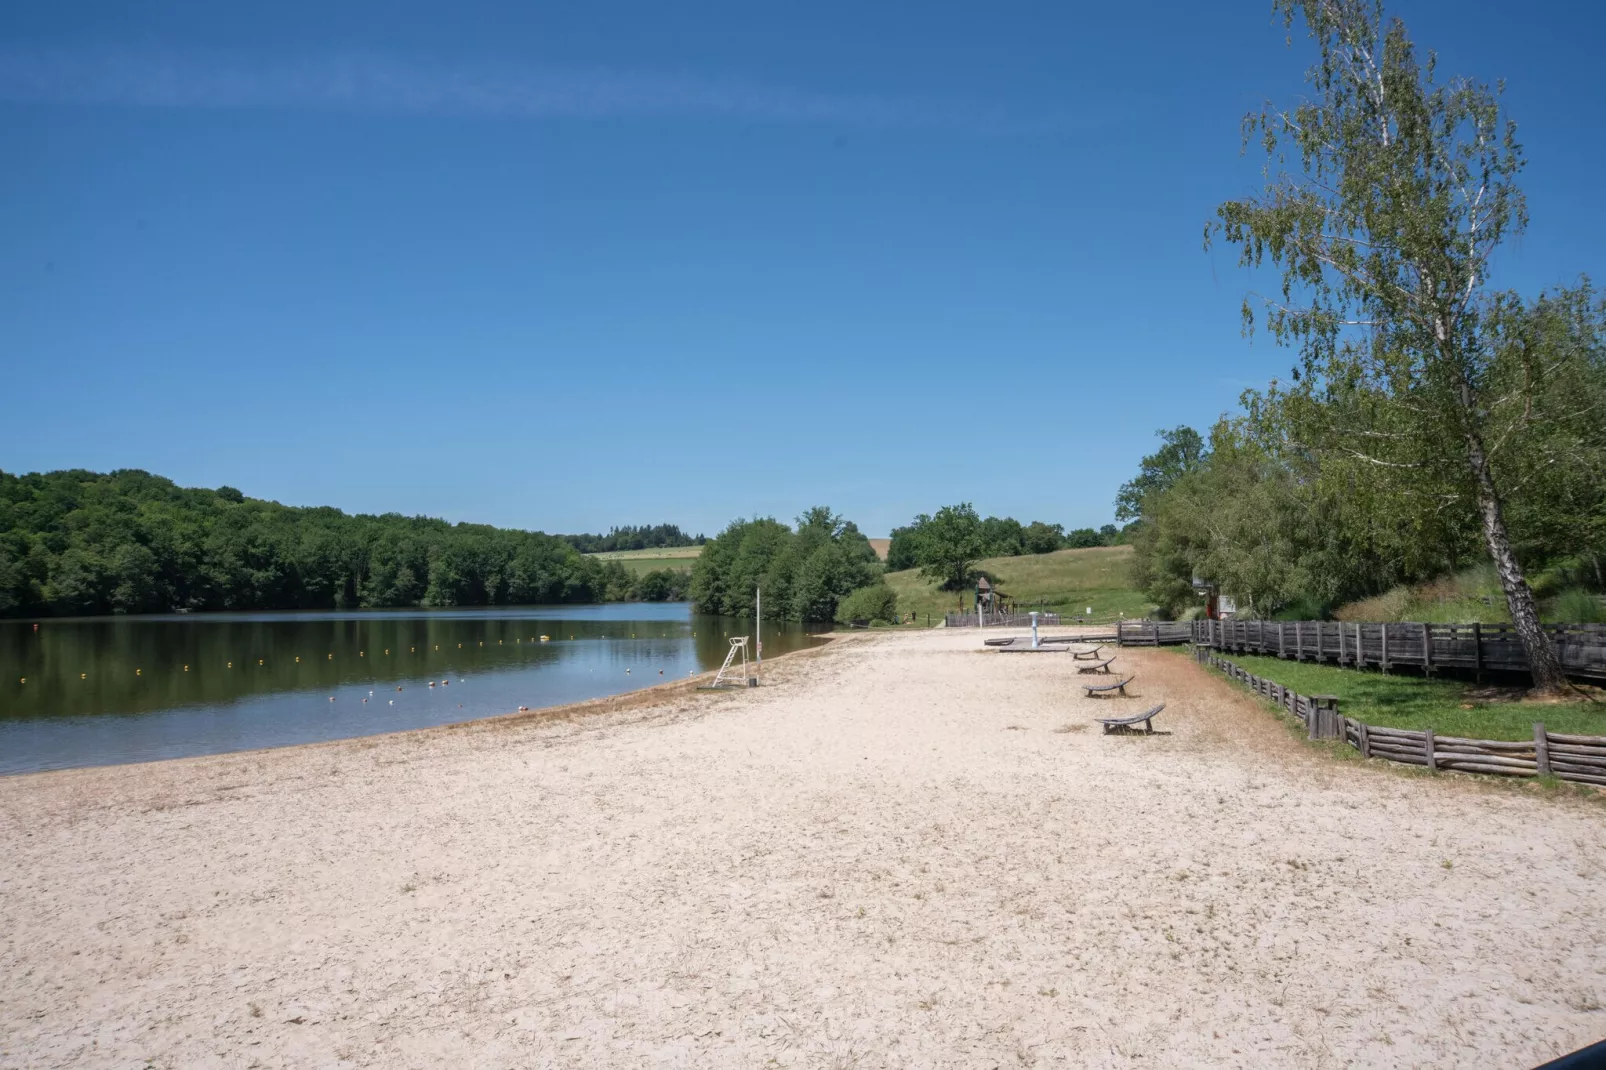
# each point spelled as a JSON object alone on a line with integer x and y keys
{"x": 729, "y": 677}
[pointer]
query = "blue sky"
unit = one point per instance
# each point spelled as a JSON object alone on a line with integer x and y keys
{"x": 564, "y": 266}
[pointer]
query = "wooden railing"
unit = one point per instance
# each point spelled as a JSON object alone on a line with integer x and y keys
{"x": 1567, "y": 757}
{"x": 1000, "y": 620}
{"x": 1474, "y": 647}
{"x": 1153, "y": 632}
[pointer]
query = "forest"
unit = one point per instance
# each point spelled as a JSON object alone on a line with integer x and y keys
{"x": 81, "y": 543}
{"x": 646, "y": 537}
{"x": 998, "y": 537}
{"x": 804, "y": 573}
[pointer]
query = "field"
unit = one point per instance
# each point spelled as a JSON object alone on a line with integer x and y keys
{"x": 1449, "y": 707}
{"x": 1067, "y": 581}
{"x": 673, "y": 558}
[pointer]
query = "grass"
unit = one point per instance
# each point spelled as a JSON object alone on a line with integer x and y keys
{"x": 1449, "y": 707}
{"x": 674, "y": 558}
{"x": 1068, "y": 582}
{"x": 1474, "y": 594}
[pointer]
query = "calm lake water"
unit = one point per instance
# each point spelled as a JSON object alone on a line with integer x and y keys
{"x": 101, "y": 691}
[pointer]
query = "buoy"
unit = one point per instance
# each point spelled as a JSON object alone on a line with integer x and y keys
{"x": 83, "y": 676}
{"x": 524, "y": 709}
{"x": 331, "y": 657}
{"x": 138, "y": 672}
{"x": 412, "y": 649}
{"x": 460, "y": 646}
{"x": 186, "y": 668}
{"x": 370, "y": 691}
{"x": 331, "y": 698}
{"x": 362, "y": 653}
{"x": 546, "y": 639}
{"x": 231, "y": 664}
{"x": 259, "y": 661}
{"x": 627, "y": 672}
{"x": 25, "y": 679}
{"x": 437, "y": 646}
{"x": 298, "y": 660}
{"x": 393, "y": 702}
{"x": 387, "y": 652}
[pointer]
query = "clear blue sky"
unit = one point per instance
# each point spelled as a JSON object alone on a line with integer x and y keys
{"x": 564, "y": 266}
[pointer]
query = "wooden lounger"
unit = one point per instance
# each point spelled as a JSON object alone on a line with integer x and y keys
{"x": 1103, "y": 690}
{"x": 1087, "y": 655}
{"x": 1121, "y": 724}
{"x": 1097, "y": 666}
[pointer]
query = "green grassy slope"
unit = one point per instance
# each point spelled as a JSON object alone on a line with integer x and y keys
{"x": 1069, "y": 581}
{"x": 1449, "y": 707}
{"x": 674, "y": 558}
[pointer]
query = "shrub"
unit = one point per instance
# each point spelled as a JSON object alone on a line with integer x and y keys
{"x": 1578, "y": 607}
{"x": 878, "y": 602}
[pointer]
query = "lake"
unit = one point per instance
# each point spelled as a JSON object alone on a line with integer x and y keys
{"x": 105, "y": 690}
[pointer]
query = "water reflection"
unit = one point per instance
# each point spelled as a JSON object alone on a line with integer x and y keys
{"x": 88, "y": 692}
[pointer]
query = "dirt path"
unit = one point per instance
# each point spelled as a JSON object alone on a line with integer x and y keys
{"x": 891, "y": 855}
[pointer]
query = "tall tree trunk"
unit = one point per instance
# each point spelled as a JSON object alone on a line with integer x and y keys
{"x": 1542, "y": 660}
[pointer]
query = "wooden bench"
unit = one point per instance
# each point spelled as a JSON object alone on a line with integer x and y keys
{"x": 1097, "y": 666}
{"x": 1087, "y": 655}
{"x": 1121, "y": 724}
{"x": 1105, "y": 690}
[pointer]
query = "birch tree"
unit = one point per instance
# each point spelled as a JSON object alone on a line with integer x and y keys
{"x": 1386, "y": 195}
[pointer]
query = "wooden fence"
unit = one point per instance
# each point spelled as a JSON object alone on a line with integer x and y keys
{"x": 1000, "y": 620}
{"x": 1474, "y": 647}
{"x": 1153, "y": 632}
{"x": 1567, "y": 757}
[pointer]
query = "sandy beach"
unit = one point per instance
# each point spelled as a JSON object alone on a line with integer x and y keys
{"x": 901, "y": 851}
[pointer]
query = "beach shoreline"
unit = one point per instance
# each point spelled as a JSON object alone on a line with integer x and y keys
{"x": 902, "y": 850}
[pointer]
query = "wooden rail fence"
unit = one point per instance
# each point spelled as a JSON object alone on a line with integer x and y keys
{"x": 1153, "y": 632}
{"x": 1000, "y": 620}
{"x": 1475, "y": 647}
{"x": 1581, "y": 759}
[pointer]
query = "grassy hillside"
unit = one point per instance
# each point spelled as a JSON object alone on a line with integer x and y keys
{"x": 675, "y": 558}
{"x": 1069, "y": 581}
{"x": 1476, "y": 595}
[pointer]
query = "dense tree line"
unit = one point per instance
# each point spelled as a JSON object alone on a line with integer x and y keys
{"x": 658, "y": 536}
{"x": 1429, "y": 412}
{"x": 77, "y": 542}
{"x": 1287, "y": 514}
{"x": 998, "y": 537}
{"x": 804, "y": 573}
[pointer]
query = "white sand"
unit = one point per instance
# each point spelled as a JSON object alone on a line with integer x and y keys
{"x": 887, "y": 856}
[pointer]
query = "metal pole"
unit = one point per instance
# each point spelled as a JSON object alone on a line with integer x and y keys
{"x": 758, "y": 628}
{"x": 1034, "y": 631}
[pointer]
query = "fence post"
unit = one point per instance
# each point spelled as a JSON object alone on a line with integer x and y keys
{"x": 1433, "y": 762}
{"x": 1323, "y": 712}
{"x": 1366, "y": 739}
{"x": 1385, "y": 628}
{"x": 1477, "y": 650}
{"x": 1427, "y": 651}
{"x": 1541, "y": 749}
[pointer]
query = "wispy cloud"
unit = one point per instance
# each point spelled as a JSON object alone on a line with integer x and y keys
{"x": 388, "y": 84}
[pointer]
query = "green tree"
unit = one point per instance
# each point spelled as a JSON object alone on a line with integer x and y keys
{"x": 1387, "y": 195}
{"x": 951, "y": 543}
{"x": 1041, "y": 538}
{"x": 1183, "y": 451}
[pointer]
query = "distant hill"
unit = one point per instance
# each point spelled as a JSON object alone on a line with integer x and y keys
{"x": 1067, "y": 582}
